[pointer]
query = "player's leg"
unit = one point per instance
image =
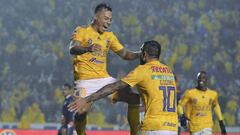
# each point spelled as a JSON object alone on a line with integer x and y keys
{"x": 158, "y": 132}
{"x": 80, "y": 122}
{"x": 133, "y": 118}
{"x": 82, "y": 88}
{"x": 85, "y": 88}
{"x": 133, "y": 101}
{"x": 90, "y": 86}
{"x": 62, "y": 130}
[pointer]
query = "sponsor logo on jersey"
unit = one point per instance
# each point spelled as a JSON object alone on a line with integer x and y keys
{"x": 170, "y": 124}
{"x": 96, "y": 61}
{"x": 160, "y": 69}
{"x": 201, "y": 108}
{"x": 200, "y": 114}
{"x": 162, "y": 77}
{"x": 164, "y": 80}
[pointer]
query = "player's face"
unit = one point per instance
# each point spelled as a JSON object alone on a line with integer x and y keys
{"x": 65, "y": 91}
{"x": 103, "y": 20}
{"x": 202, "y": 81}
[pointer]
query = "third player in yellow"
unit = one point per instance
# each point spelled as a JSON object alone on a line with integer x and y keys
{"x": 201, "y": 100}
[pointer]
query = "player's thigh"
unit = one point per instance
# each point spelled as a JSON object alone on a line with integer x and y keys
{"x": 158, "y": 132}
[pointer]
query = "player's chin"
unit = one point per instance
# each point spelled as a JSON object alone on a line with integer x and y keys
{"x": 105, "y": 28}
{"x": 102, "y": 30}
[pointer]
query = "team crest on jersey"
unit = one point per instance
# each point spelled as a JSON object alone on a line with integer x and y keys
{"x": 90, "y": 41}
{"x": 194, "y": 101}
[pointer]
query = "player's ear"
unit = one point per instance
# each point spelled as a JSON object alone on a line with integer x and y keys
{"x": 144, "y": 53}
{"x": 95, "y": 17}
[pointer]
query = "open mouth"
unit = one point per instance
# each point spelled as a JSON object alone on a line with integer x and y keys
{"x": 105, "y": 27}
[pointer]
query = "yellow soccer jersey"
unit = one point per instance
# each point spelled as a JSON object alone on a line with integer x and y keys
{"x": 157, "y": 88}
{"x": 92, "y": 65}
{"x": 201, "y": 103}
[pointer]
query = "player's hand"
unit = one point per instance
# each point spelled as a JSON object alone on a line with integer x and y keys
{"x": 93, "y": 48}
{"x": 183, "y": 121}
{"x": 79, "y": 105}
{"x": 222, "y": 126}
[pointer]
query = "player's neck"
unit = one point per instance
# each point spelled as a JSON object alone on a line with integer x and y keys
{"x": 201, "y": 88}
{"x": 152, "y": 59}
{"x": 95, "y": 27}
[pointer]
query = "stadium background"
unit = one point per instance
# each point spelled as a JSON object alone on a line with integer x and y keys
{"x": 35, "y": 62}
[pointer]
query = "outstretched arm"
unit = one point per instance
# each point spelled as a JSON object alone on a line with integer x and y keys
{"x": 128, "y": 55}
{"x": 80, "y": 104}
{"x": 106, "y": 90}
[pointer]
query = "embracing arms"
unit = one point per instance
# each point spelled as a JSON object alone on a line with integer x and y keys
{"x": 128, "y": 55}
{"x": 80, "y": 105}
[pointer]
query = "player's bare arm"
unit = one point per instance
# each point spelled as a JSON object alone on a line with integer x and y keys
{"x": 81, "y": 105}
{"x": 128, "y": 55}
{"x": 76, "y": 49}
{"x": 106, "y": 90}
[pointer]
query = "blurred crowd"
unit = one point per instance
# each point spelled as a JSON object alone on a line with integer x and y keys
{"x": 35, "y": 60}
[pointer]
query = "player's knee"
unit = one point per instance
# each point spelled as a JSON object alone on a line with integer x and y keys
{"x": 80, "y": 117}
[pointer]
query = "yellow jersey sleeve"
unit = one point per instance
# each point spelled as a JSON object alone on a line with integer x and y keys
{"x": 185, "y": 97}
{"x": 134, "y": 77}
{"x": 217, "y": 108}
{"x": 183, "y": 101}
{"x": 215, "y": 100}
{"x": 115, "y": 45}
{"x": 78, "y": 34}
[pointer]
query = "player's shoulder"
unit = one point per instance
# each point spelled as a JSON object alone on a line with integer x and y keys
{"x": 81, "y": 27}
{"x": 191, "y": 91}
{"x": 140, "y": 67}
{"x": 212, "y": 91}
{"x": 110, "y": 34}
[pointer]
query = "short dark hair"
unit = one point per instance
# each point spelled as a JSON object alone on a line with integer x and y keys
{"x": 201, "y": 72}
{"x": 152, "y": 48}
{"x": 102, "y": 6}
{"x": 67, "y": 85}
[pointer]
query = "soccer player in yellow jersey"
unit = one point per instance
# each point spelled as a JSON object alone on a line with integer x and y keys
{"x": 89, "y": 47}
{"x": 156, "y": 86}
{"x": 201, "y": 101}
